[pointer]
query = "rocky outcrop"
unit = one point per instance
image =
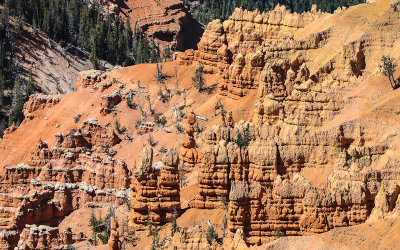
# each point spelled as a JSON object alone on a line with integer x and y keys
{"x": 109, "y": 102}
{"x": 39, "y": 101}
{"x": 168, "y": 22}
{"x": 259, "y": 177}
{"x": 58, "y": 180}
{"x": 114, "y": 243}
{"x": 187, "y": 152}
{"x": 38, "y": 203}
{"x": 37, "y": 237}
{"x": 253, "y": 50}
{"x": 155, "y": 190}
{"x": 250, "y": 48}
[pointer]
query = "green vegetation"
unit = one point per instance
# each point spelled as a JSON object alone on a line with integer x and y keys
{"x": 198, "y": 79}
{"x": 101, "y": 228}
{"x": 222, "y": 9}
{"x": 174, "y": 227}
{"x": 279, "y": 233}
{"x": 243, "y": 139}
{"x": 74, "y": 22}
{"x": 211, "y": 234}
{"x": 70, "y": 23}
{"x": 17, "y": 114}
{"x": 388, "y": 68}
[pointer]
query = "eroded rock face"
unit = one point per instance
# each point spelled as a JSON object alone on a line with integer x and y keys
{"x": 58, "y": 180}
{"x": 37, "y": 237}
{"x": 109, "y": 101}
{"x": 187, "y": 152}
{"x": 39, "y": 101}
{"x": 275, "y": 53}
{"x": 168, "y": 22}
{"x": 265, "y": 190}
{"x": 155, "y": 190}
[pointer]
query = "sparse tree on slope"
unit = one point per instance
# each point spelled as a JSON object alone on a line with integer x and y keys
{"x": 388, "y": 68}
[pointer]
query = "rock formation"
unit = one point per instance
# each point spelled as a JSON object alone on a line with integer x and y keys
{"x": 60, "y": 180}
{"x": 37, "y": 237}
{"x": 318, "y": 149}
{"x": 114, "y": 243}
{"x": 168, "y": 22}
{"x": 109, "y": 101}
{"x": 274, "y": 52}
{"x": 155, "y": 190}
{"x": 187, "y": 152}
{"x": 263, "y": 186}
{"x": 39, "y": 101}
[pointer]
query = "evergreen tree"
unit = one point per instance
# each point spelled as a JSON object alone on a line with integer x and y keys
{"x": 31, "y": 86}
{"x": 1, "y": 87}
{"x": 18, "y": 104}
{"x": 139, "y": 53}
{"x": 93, "y": 53}
{"x": 198, "y": 79}
{"x": 208, "y": 10}
{"x": 174, "y": 227}
{"x": 2, "y": 55}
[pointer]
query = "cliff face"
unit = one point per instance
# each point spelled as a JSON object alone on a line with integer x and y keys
{"x": 264, "y": 186}
{"x": 59, "y": 180}
{"x": 168, "y": 22}
{"x": 155, "y": 192}
{"x": 275, "y": 52}
{"x": 278, "y": 56}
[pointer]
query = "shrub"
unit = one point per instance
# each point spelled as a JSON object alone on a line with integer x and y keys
{"x": 76, "y": 118}
{"x": 279, "y": 233}
{"x": 163, "y": 150}
{"x": 151, "y": 141}
{"x": 118, "y": 127}
{"x": 112, "y": 153}
{"x": 179, "y": 128}
{"x": 182, "y": 175}
{"x": 243, "y": 140}
{"x": 130, "y": 103}
{"x": 101, "y": 228}
{"x": 160, "y": 76}
{"x": 138, "y": 123}
{"x": 211, "y": 234}
{"x": 163, "y": 121}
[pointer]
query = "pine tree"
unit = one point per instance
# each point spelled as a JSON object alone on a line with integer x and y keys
{"x": 198, "y": 79}
{"x": 174, "y": 227}
{"x": 16, "y": 114}
{"x": 1, "y": 87}
{"x": 31, "y": 86}
{"x": 2, "y": 55}
{"x": 93, "y": 52}
{"x": 139, "y": 53}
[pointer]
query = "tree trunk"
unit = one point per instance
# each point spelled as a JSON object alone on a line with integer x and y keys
{"x": 392, "y": 81}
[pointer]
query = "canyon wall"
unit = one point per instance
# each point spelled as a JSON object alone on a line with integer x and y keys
{"x": 257, "y": 167}
{"x": 264, "y": 187}
{"x": 168, "y": 22}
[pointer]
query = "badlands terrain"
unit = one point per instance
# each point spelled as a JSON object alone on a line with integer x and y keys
{"x": 293, "y": 142}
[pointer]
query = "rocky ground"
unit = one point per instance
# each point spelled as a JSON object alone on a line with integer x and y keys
{"x": 295, "y": 132}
